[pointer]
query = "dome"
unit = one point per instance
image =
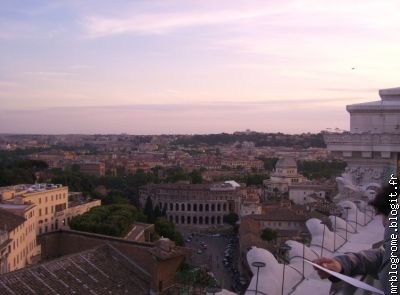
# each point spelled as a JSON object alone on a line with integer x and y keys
{"x": 286, "y": 163}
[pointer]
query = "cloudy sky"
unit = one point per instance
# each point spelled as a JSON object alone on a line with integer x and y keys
{"x": 201, "y": 66}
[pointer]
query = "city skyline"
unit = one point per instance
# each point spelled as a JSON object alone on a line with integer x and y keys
{"x": 192, "y": 66}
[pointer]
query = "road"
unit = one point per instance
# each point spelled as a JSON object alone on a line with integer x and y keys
{"x": 213, "y": 257}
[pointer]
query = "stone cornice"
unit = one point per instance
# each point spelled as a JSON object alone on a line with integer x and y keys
{"x": 361, "y": 139}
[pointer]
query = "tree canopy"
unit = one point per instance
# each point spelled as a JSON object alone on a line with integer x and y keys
{"x": 113, "y": 220}
{"x": 268, "y": 234}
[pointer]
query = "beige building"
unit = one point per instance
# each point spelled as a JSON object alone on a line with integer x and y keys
{"x": 49, "y": 200}
{"x": 200, "y": 205}
{"x": 27, "y": 211}
{"x": 19, "y": 248}
{"x": 77, "y": 205}
{"x": 54, "y": 206}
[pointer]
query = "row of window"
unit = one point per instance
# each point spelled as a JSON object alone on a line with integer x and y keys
{"x": 22, "y": 236}
{"x": 195, "y": 207}
{"x": 52, "y": 197}
{"x": 23, "y": 254}
{"x": 55, "y": 208}
{"x": 196, "y": 220}
{"x": 53, "y": 226}
{"x": 278, "y": 223}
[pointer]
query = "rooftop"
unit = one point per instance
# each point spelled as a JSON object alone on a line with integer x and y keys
{"x": 101, "y": 270}
{"x": 9, "y": 221}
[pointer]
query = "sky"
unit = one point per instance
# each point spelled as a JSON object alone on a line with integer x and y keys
{"x": 204, "y": 66}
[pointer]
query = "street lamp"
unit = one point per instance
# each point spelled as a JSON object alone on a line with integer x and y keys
{"x": 356, "y": 202}
{"x": 258, "y": 264}
{"x": 303, "y": 236}
{"x": 334, "y": 235}
{"x": 347, "y": 208}
{"x": 284, "y": 248}
{"x": 323, "y": 237}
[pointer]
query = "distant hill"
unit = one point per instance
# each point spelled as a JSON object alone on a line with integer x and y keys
{"x": 260, "y": 139}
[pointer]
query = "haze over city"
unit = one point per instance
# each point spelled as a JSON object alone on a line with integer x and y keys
{"x": 151, "y": 67}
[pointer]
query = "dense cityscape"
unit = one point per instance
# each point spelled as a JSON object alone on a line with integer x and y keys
{"x": 196, "y": 205}
{"x": 199, "y": 147}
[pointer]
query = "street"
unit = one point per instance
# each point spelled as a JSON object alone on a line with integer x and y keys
{"x": 219, "y": 253}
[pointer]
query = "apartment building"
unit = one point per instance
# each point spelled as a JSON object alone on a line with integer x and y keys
{"x": 54, "y": 205}
{"x": 93, "y": 168}
{"x": 18, "y": 236}
{"x": 48, "y": 198}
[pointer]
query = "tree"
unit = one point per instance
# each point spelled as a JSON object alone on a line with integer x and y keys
{"x": 231, "y": 218}
{"x": 157, "y": 212}
{"x": 113, "y": 220}
{"x": 321, "y": 169}
{"x": 254, "y": 179}
{"x": 268, "y": 234}
{"x": 149, "y": 211}
{"x": 166, "y": 229}
{"x": 196, "y": 177}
